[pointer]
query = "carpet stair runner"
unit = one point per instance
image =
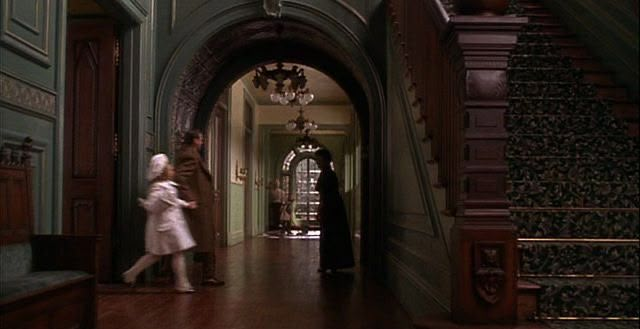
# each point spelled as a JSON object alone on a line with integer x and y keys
{"x": 573, "y": 178}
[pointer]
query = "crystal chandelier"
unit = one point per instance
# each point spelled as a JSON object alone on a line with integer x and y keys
{"x": 301, "y": 124}
{"x": 293, "y": 92}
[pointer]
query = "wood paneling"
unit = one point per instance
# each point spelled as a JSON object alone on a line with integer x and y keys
{"x": 24, "y": 27}
{"x": 89, "y": 134}
{"x": 85, "y": 112}
{"x": 461, "y": 87}
{"x": 16, "y": 212}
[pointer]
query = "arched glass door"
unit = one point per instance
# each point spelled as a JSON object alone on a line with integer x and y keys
{"x": 306, "y": 197}
{"x": 300, "y": 173}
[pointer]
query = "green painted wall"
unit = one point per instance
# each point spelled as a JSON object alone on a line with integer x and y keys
{"x": 32, "y": 88}
{"x": 236, "y": 214}
{"x": 32, "y": 42}
{"x": 416, "y": 238}
{"x": 609, "y": 29}
{"x": 14, "y": 126}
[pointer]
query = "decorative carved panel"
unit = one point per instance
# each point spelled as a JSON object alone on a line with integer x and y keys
{"x": 487, "y": 152}
{"x": 85, "y": 110}
{"x": 489, "y": 270}
{"x": 84, "y": 216}
{"x": 486, "y": 84}
{"x": 24, "y": 27}
{"x": 16, "y": 210}
{"x": 26, "y": 96}
{"x": 486, "y": 186}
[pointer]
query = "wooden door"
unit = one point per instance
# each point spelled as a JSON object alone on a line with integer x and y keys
{"x": 248, "y": 163}
{"x": 217, "y": 149}
{"x": 90, "y": 109}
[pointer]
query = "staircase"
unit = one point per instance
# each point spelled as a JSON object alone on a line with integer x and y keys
{"x": 573, "y": 178}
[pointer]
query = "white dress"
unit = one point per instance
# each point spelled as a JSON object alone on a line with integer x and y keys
{"x": 167, "y": 230}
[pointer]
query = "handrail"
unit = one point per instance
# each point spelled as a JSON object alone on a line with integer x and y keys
{"x": 436, "y": 83}
{"x": 456, "y": 68}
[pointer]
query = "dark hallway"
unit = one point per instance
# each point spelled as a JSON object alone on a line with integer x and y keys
{"x": 271, "y": 283}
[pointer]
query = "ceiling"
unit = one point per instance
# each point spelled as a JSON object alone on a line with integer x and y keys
{"x": 325, "y": 90}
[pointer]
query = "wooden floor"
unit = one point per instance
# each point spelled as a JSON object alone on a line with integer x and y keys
{"x": 271, "y": 284}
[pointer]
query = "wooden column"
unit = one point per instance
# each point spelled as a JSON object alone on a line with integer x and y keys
{"x": 484, "y": 240}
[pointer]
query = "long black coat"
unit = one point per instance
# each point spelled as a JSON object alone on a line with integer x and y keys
{"x": 335, "y": 237}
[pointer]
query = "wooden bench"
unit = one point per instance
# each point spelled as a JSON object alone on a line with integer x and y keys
{"x": 46, "y": 281}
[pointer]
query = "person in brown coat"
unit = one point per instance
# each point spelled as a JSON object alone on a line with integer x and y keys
{"x": 195, "y": 184}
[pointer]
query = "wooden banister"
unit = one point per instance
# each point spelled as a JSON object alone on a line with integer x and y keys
{"x": 457, "y": 66}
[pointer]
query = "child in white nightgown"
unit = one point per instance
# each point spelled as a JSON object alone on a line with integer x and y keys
{"x": 166, "y": 231}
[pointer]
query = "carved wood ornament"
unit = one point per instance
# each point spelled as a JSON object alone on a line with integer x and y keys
{"x": 489, "y": 274}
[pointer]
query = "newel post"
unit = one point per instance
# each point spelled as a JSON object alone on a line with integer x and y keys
{"x": 484, "y": 253}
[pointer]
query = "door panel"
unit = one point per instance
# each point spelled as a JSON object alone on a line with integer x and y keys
{"x": 89, "y": 134}
{"x": 217, "y": 149}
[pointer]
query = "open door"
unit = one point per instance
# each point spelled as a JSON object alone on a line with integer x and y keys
{"x": 89, "y": 155}
{"x": 217, "y": 147}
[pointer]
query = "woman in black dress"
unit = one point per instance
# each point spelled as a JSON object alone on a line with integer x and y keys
{"x": 335, "y": 237}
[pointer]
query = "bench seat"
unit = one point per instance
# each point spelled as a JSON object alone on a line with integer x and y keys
{"x": 36, "y": 282}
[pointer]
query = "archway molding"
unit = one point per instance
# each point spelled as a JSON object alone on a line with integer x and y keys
{"x": 235, "y": 41}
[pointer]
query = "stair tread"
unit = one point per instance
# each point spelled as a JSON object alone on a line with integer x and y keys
{"x": 633, "y": 281}
{"x": 549, "y": 191}
{"x": 593, "y": 324}
{"x": 443, "y": 321}
{"x": 525, "y": 285}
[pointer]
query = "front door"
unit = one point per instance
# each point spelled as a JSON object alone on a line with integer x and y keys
{"x": 89, "y": 157}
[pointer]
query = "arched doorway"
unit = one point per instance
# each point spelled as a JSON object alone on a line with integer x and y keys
{"x": 187, "y": 101}
{"x": 300, "y": 173}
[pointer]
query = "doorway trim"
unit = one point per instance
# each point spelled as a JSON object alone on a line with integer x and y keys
{"x": 362, "y": 70}
{"x": 135, "y": 135}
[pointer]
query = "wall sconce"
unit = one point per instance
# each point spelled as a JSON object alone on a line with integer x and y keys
{"x": 241, "y": 173}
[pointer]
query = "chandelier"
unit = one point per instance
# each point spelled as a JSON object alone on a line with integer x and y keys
{"x": 284, "y": 93}
{"x": 301, "y": 124}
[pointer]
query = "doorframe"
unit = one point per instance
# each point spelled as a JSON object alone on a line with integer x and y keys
{"x": 134, "y": 110}
{"x": 221, "y": 233}
{"x": 365, "y": 73}
{"x": 249, "y": 157}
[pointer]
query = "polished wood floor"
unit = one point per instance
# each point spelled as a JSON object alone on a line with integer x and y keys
{"x": 270, "y": 284}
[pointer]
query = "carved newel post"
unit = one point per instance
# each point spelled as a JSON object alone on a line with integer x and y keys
{"x": 484, "y": 240}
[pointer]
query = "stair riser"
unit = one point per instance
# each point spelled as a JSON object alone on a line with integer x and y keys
{"x": 610, "y": 300}
{"x": 533, "y": 62}
{"x": 573, "y": 170}
{"x": 570, "y": 145}
{"x": 620, "y": 225}
{"x": 545, "y": 258}
{"x": 550, "y": 90}
{"x": 558, "y": 106}
{"x": 565, "y": 150}
{"x": 537, "y": 75}
{"x": 565, "y": 195}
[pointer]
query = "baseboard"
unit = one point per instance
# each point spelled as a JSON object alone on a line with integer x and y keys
{"x": 414, "y": 294}
{"x": 235, "y": 237}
